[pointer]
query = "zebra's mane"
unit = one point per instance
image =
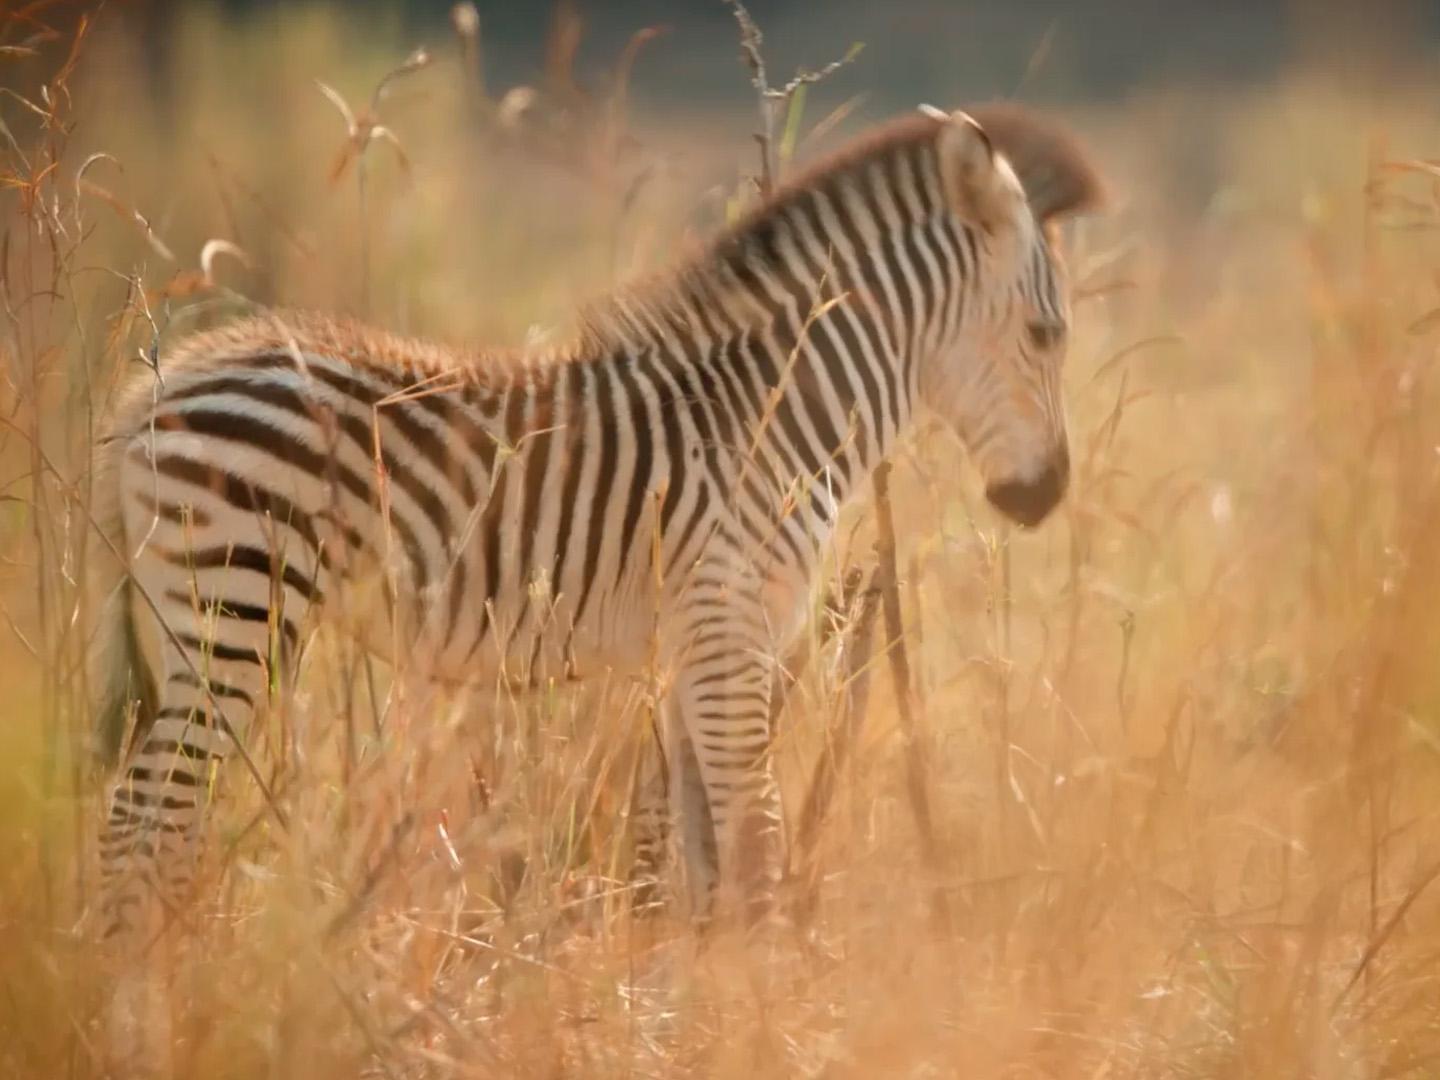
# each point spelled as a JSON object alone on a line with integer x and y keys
{"x": 1055, "y": 172}
{"x": 601, "y": 323}
{"x": 604, "y": 321}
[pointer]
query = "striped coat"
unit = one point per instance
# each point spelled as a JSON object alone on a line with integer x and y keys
{"x": 656, "y": 494}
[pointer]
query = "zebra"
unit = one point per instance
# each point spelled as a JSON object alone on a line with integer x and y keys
{"x": 655, "y": 494}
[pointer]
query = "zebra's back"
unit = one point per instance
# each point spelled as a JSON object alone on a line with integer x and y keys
{"x": 455, "y": 511}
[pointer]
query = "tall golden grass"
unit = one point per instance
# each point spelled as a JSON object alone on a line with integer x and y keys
{"x": 1182, "y": 745}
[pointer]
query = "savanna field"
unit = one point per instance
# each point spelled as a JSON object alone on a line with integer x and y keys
{"x": 1167, "y": 800}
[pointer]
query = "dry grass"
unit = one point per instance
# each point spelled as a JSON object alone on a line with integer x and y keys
{"x": 1182, "y": 745}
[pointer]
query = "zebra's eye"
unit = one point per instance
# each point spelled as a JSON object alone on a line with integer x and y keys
{"x": 1044, "y": 334}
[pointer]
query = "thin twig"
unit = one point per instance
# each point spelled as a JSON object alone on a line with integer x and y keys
{"x": 843, "y": 735}
{"x": 750, "y": 41}
{"x": 836, "y": 609}
{"x": 1383, "y": 934}
{"x": 918, "y": 788}
{"x": 773, "y": 101}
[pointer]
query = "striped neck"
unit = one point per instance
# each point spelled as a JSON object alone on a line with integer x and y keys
{"x": 805, "y": 324}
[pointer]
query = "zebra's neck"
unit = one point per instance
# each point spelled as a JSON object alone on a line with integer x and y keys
{"x": 803, "y": 328}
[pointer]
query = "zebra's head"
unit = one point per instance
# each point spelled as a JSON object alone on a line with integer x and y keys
{"x": 1009, "y": 178}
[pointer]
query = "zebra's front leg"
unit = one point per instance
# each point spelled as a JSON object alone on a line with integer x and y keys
{"x": 669, "y": 793}
{"x": 721, "y": 707}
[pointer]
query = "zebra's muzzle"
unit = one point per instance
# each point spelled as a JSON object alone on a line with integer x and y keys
{"x": 1029, "y": 502}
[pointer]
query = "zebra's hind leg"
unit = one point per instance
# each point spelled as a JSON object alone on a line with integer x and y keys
{"x": 208, "y": 693}
{"x": 210, "y": 679}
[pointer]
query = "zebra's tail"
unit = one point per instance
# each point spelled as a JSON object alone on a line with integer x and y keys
{"x": 121, "y": 690}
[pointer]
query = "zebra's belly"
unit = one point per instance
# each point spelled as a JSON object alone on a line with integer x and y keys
{"x": 526, "y": 636}
{"x": 530, "y": 638}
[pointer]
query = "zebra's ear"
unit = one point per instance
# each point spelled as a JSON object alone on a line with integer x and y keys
{"x": 982, "y": 189}
{"x": 1056, "y": 173}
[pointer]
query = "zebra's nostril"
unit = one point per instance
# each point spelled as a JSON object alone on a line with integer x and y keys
{"x": 1029, "y": 502}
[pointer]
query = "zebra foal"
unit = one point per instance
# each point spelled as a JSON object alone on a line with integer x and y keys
{"x": 657, "y": 494}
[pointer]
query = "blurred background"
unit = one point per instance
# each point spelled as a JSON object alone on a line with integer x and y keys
{"x": 1098, "y": 50}
{"x": 1180, "y": 748}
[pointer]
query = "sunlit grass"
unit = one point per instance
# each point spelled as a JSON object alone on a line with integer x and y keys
{"x": 1183, "y": 765}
